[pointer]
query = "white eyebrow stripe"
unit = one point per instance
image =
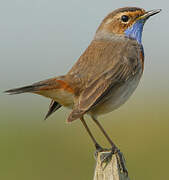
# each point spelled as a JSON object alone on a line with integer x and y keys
{"x": 109, "y": 20}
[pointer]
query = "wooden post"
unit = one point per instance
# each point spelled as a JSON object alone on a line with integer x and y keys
{"x": 109, "y": 170}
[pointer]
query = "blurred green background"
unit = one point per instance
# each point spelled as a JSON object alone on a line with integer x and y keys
{"x": 42, "y": 39}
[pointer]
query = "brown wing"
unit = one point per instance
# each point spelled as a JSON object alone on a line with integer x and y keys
{"x": 124, "y": 67}
{"x": 100, "y": 87}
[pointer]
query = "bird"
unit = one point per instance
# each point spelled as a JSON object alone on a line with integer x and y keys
{"x": 104, "y": 76}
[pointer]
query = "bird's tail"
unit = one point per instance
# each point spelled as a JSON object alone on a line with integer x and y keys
{"x": 57, "y": 89}
{"x": 25, "y": 89}
{"x": 46, "y": 88}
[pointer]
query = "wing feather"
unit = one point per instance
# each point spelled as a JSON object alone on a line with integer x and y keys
{"x": 99, "y": 88}
{"x": 122, "y": 64}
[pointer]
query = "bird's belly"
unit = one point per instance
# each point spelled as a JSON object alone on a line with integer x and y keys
{"x": 117, "y": 97}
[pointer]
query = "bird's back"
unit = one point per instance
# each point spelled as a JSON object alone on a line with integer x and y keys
{"x": 101, "y": 56}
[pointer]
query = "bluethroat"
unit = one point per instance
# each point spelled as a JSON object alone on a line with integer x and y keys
{"x": 105, "y": 75}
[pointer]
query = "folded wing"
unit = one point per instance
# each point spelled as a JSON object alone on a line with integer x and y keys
{"x": 97, "y": 90}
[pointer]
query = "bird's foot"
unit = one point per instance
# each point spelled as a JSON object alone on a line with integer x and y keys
{"x": 121, "y": 161}
{"x": 98, "y": 149}
{"x": 106, "y": 157}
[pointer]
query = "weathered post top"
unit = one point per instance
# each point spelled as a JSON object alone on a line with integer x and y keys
{"x": 109, "y": 170}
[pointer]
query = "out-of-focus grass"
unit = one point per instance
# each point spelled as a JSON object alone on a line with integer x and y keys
{"x": 39, "y": 150}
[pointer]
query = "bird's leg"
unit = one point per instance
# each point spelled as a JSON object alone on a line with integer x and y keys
{"x": 114, "y": 150}
{"x": 98, "y": 147}
{"x": 114, "y": 147}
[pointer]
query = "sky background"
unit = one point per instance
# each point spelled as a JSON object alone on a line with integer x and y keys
{"x": 40, "y": 39}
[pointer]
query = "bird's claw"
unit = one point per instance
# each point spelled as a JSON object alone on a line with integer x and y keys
{"x": 98, "y": 149}
{"x": 121, "y": 162}
{"x": 106, "y": 157}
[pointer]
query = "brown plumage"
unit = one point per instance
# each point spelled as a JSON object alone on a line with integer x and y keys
{"x": 110, "y": 61}
{"x": 105, "y": 75}
{"x": 113, "y": 67}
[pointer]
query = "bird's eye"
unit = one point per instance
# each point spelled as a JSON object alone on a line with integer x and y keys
{"x": 124, "y": 18}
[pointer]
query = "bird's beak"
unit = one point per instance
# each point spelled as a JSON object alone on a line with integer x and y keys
{"x": 148, "y": 14}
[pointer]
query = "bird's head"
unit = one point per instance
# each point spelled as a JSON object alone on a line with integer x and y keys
{"x": 128, "y": 21}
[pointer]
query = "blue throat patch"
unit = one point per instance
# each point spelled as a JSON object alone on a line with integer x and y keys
{"x": 135, "y": 31}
